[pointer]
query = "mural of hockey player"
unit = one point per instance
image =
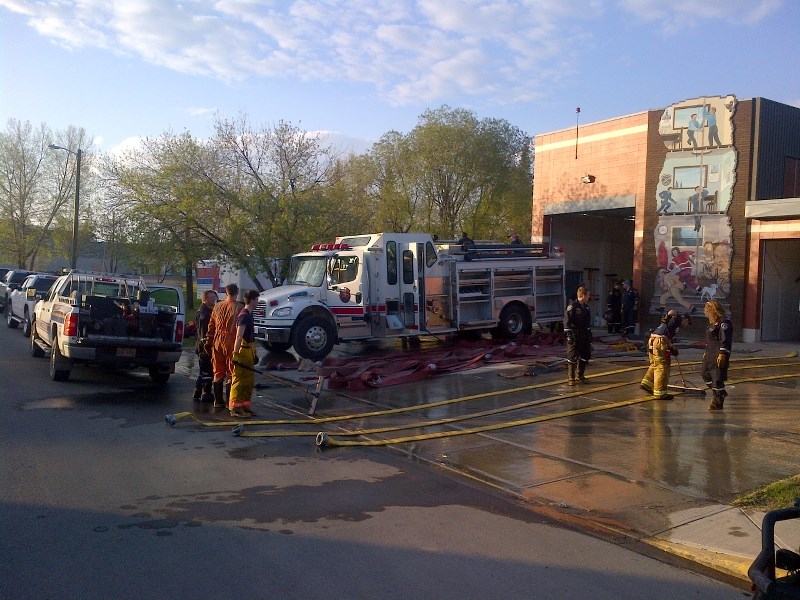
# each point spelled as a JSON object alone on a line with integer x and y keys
{"x": 692, "y": 196}
{"x": 682, "y": 265}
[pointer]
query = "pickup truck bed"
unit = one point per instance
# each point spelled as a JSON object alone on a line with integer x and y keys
{"x": 115, "y": 324}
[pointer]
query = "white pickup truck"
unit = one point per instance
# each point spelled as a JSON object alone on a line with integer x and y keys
{"x": 22, "y": 300}
{"x": 109, "y": 319}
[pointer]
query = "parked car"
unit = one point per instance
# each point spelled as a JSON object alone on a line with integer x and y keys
{"x": 12, "y": 280}
{"x": 22, "y": 300}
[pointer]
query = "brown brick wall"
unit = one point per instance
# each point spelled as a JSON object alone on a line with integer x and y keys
{"x": 617, "y": 162}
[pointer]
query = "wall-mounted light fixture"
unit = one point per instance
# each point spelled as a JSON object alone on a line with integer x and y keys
{"x": 588, "y": 179}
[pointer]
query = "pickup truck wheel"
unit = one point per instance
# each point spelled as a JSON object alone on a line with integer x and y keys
{"x": 36, "y": 350}
{"x": 276, "y": 346}
{"x": 158, "y": 376}
{"x": 58, "y": 372}
{"x": 314, "y": 337}
{"x": 10, "y": 320}
{"x": 26, "y": 324}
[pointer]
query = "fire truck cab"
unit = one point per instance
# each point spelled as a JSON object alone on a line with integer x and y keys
{"x": 384, "y": 285}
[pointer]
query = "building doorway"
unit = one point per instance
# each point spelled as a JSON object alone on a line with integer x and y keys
{"x": 780, "y": 291}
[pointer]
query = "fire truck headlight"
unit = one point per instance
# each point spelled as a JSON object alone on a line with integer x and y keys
{"x": 286, "y": 311}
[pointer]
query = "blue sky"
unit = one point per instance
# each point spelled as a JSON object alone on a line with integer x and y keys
{"x": 355, "y": 69}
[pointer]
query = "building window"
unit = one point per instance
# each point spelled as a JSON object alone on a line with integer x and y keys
{"x": 791, "y": 178}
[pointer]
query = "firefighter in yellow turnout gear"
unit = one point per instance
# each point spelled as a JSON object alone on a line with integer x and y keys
{"x": 661, "y": 349}
{"x": 244, "y": 359}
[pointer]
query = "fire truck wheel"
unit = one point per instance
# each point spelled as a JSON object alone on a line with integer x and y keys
{"x": 276, "y": 346}
{"x": 314, "y": 337}
{"x": 514, "y": 320}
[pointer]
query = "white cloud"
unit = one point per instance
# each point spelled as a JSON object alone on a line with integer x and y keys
{"x": 690, "y": 14}
{"x": 130, "y": 144}
{"x": 408, "y": 50}
{"x": 198, "y": 111}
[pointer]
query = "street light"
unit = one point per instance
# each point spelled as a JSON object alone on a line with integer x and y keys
{"x": 74, "y": 258}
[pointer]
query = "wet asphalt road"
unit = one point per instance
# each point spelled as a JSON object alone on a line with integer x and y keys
{"x": 100, "y": 499}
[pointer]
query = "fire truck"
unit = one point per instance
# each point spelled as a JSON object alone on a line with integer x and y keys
{"x": 395, "y": 285}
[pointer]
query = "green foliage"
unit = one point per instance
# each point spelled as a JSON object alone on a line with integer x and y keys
{"x": 452, "y": 172}
{"x": 249, "y": 195}
{"x": 780, "y": 494}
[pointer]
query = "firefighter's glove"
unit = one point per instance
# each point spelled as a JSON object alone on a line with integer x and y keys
{"x": 675, "y": 351}
{"x": 722, "y": 361}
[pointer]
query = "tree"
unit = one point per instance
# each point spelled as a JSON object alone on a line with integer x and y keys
{"x": 37, "y": 185}
{"x": 452, "y": 172}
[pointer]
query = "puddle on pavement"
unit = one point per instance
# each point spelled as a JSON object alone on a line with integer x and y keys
{"x": 130, "y": 407}
{"x": 74, "y": 401}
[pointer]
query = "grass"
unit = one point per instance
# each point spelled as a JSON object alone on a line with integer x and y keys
{"x": 780, "y": 494}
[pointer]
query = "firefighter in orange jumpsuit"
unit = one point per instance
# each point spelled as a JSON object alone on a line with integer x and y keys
{"x": 220, "y": 340}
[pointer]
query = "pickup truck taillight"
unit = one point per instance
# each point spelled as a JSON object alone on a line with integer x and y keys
{"x": 71, "y": 325}
{"x": 179, "y": 331}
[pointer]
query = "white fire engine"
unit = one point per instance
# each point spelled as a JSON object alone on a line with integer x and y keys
{"x": 383, "y": 285}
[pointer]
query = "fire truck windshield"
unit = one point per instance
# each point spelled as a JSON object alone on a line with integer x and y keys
{"x": 306, "y": 270}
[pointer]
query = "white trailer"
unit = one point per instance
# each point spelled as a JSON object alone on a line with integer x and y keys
{"x": 384, "y": 285}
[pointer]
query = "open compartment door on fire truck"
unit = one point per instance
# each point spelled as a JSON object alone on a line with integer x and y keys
{"x": 347, "y": 285}
{"x": 405, "y": 298}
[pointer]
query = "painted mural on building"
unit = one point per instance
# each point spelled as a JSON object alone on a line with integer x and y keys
{"x": 693, "y": 239}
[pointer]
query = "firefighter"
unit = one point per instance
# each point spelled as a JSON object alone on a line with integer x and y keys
{"x": 630, "y": 308}
{"x": 614, "y": 308}
{"x": 467, "y": 243}
{"x": 244, "y": 359}
{"x": 661, "y": 349}
{"x": 220, "y": 340}
{"x": 578, "y": 327}
{"x": 202, "y": 386}
{"x": 719, "y": 340}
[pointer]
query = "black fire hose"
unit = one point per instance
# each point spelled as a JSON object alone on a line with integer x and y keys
{"x": 249, "y": 368}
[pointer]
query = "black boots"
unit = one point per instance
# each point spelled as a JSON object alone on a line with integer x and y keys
{"x": 203, "y": 394}
{"x": 718, "y": 401}
{"x": 207, "y": 395}
{"x": 219, "y": 400}
{"x": 581, "y": 369}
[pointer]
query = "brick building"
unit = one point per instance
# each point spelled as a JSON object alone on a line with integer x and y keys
{"x": 698, "y": 200}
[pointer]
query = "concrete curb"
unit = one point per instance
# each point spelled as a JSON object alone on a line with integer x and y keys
{"x": 724, "y": 563}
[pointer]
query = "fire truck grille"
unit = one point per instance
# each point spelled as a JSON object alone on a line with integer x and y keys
{"x": 260, "y": 311}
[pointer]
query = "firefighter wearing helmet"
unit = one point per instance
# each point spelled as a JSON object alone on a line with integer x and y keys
{"x": 661, "y": 349}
